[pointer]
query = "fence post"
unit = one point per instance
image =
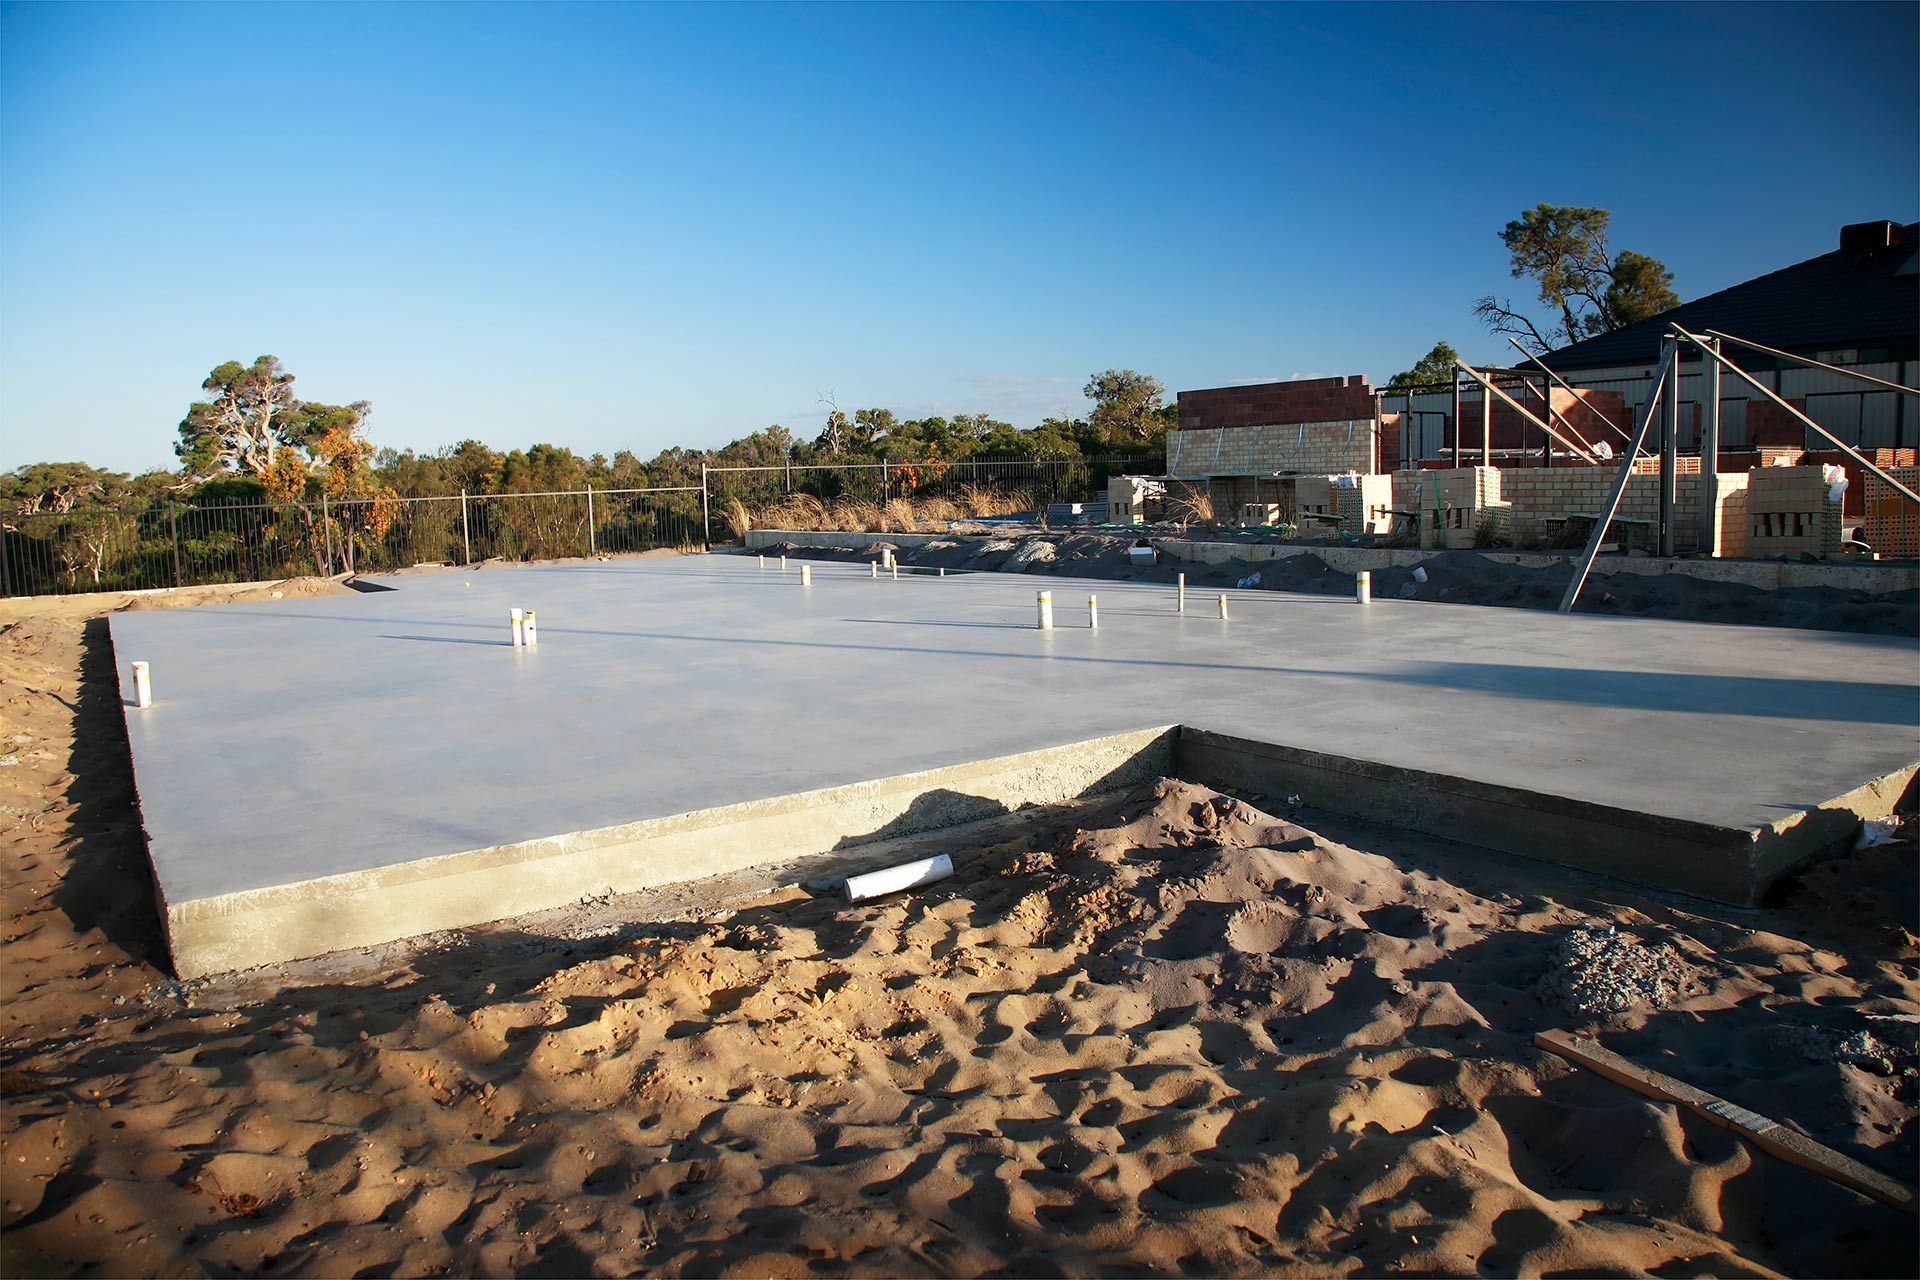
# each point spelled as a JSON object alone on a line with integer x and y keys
{"x": 326, "y": 533}
{"x": 706, "y": 514}
{"x": 173, "y": 515}
{"x": 788, "y": 460}
{"x": 466, "y": 534}
{"x": 6, "y": 571}
{"x": 593, "y": 544}
{"x": 885, "y": 493}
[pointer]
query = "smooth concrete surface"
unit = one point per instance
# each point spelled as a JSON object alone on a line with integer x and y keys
{"x": 1731, "y": 864}
{"x": 405, "y": 899}
{"x": 298, "y": 741}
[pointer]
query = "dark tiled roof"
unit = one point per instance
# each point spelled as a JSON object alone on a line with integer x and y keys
{"x": 1839, "y": 299}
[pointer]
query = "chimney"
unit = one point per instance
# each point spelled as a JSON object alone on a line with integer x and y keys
{"x": 1863, "y": 239}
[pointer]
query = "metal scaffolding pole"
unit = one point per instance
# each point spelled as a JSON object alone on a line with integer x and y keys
{"x": 1456, "y": 419}
{"x": 1553, "y": 414}
{"x": 1865, "y": 464}
{"x": 1604, "y": 518}
{"x": 706, "y": 514}
{"x": 1669, "y": 448}
{"x": 1486, "y": 424}
{"x": 1567, "y": 386}
{"x": 1489, "y": 391}
{"x": 1812, "y": 363}
{"x": 1710, "y": 459}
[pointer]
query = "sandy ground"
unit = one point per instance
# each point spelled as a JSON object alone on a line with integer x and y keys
{"x": 1166, "y": 1032}
{"x": 1454, "y": 577}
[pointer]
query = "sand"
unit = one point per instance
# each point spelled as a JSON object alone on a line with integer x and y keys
{"x": 1453, "y": 577}
{"x": 1169, "y": 1031}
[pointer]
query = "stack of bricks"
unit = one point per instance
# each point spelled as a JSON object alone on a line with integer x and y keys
{"x": 1312, "y": 448}
{"x": 1789, "y": 512}
{"x": 1134, "y": 499}
{"x": 1455, "y": 505}
{"x": 1893, "y": 523}
{"x": 1732, "y": 496}
{"x": 1365, "y": 506}
{"x": 1362, "y": 506}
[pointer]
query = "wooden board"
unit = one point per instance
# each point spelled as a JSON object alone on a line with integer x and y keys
{"x": 1788, "y": 1144}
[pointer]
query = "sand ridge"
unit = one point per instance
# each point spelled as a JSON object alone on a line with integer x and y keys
{"x": 1170, "y": 1032}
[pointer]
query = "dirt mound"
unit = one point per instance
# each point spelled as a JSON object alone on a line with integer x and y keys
{"x": 1597, "y": 972}
{"x": 290, "y": 589}
{"x": 1451, "y": 577}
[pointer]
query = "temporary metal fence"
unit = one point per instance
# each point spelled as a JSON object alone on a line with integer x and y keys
{"x": 167, "y": 544}
{"x": 969, "y": 486}
{"x": 175, "y": 544}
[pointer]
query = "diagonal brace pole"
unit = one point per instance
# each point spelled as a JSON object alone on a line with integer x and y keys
{"x": 1605, "y": 518}
{"x": 1811, "y": 425}
{"x": 1523, "y": 411}
{"x": 1567, "y": 387}
{"x": 1817, "y": 364}
{"x": 1547, "y": 399}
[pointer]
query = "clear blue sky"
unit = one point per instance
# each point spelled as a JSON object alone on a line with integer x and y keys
{"x": 629, "y": 227}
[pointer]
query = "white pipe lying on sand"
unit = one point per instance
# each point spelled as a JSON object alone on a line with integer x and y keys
{"x": 908, "y": 875}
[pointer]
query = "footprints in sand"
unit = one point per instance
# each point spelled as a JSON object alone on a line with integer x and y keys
{"x": 1176, "y": 1036}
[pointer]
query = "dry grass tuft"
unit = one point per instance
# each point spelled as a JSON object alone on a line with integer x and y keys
{"x": 852, "y": 515}
{"x": 899, "y": 517}
{"x": 985, "y": 500}
{"x": 738, "y": 518}
{"x": 795, "y": 511}
{"x": 938, "y": 510}
{"x": 1195, "y": 506}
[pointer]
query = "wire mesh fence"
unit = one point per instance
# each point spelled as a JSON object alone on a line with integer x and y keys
{"x": 860, "y": 494}
{"x": 177, "y": 544}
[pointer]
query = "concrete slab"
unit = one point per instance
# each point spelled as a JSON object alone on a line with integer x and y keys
{"x": 303, "y": 758}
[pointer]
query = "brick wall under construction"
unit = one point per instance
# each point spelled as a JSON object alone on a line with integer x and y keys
{"x": 1892, "y": 523}
{"x": 1307, "y": 448}
{"x": 1545, "y": 506}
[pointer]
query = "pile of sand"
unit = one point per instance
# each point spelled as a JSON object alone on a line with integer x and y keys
{"x": 1171, "y": 1034}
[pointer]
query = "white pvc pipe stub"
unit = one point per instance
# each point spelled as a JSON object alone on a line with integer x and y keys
{"x": 142, "y": 686}
{"x": 1363, "y": 587}
{"x": 1045, "y": 601}
{"x": 908, "y": 875}
{"x": 1223, "y": 606}
{"x": 517, "y": 618}
{"x": 1093, "y": 613}
{"x": 527, "y": 628}
{"x": 806, "y": 575}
